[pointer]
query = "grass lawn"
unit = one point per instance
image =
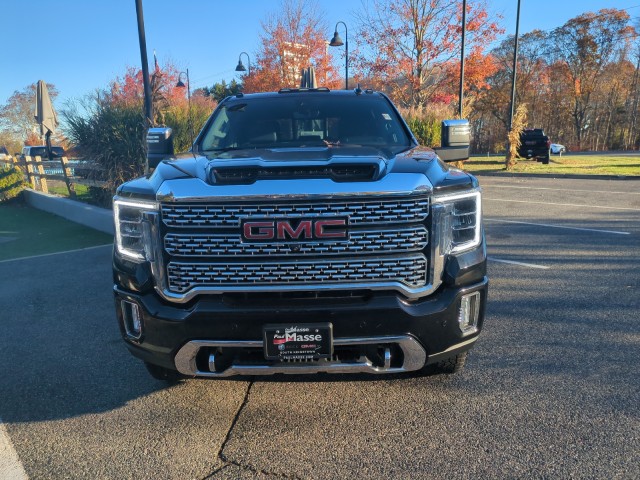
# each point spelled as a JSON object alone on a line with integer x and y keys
{"x": 25, "y": 231}
{"x": 82, "y": 192}
{"x": 566, "y": 164}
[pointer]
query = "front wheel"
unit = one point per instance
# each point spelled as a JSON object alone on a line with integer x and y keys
{"x": 447, "y": 366}
{"x": 452, "y": 364}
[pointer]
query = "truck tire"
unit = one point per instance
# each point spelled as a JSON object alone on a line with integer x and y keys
{"x": 452, "y": 364}
{"x": 448, "y": 366}
{"x": 545, "y": 160}
{"x": 164, "y": 374}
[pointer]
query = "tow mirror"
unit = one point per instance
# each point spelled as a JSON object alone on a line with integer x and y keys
{"x": 159, "y": 145}
{"x": 455, "y": 139}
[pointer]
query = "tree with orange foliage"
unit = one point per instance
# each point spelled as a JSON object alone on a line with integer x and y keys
{"x": 586, "y": 44}
{"x": 129, "y": 90}
{"x": 170, "y": 105}
{"x": 294, "y": 38}
{"x": 110, "y": 128}
{"x": 410, "y": 47}
{"x": 531, "y": 81}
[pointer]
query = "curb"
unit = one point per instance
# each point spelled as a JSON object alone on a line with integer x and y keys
{"x": 88, "y": 215}
{"x": 555, "y": 175}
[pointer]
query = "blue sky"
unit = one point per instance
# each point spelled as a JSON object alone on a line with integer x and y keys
{"x": 80, "y": 45}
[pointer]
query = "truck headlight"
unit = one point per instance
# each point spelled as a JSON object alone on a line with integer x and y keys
{"x": 129, "y": 225}
{"x": 463, "y": 230}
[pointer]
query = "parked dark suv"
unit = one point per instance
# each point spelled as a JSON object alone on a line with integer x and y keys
{"x": 41, "y": 151}
{"x": 534, "y": 144}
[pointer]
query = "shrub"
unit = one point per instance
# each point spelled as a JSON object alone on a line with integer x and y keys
{"x": 425, "y": 122}
{"x": 427, "y": 131}
{"x": 518, "y": 125}
{"x": 177, "y": 117}
{"x": 11, "y": 183}
{"x": 111, "y": 136}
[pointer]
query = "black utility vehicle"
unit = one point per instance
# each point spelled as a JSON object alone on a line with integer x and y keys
{"x": 41, "y": 151}
{"x": 534, "y": 144}
{"x": 307, "y": 232}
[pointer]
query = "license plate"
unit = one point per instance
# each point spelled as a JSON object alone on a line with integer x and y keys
{"x": 304, "y": 341}
{"x": 530, "y": 143}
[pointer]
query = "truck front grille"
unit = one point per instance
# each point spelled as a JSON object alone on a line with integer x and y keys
{"x": 408, "y": 270}
{"x": 387, "y": 246}
{"x": 359, "y": 212}
{"x": 406, "y": 239}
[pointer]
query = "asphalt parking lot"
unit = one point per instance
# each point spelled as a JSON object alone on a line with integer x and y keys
{"x": 550, "y": 390}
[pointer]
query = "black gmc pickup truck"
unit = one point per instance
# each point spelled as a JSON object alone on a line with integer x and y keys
{"x": 534, "y": 144}
{"x": 306, "y": 232}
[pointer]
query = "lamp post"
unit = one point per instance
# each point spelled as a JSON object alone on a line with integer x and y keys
{"x": 515, "y": 66}
{"x": 336, "y": 41}
{"x": 181, "y": 84}
{"x": 464, "y": 30}
{"x": 240, "y": 67}
{"x": 148, "y": 105}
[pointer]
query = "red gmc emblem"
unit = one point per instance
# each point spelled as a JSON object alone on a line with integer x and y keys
{"x": 267, "y": 229}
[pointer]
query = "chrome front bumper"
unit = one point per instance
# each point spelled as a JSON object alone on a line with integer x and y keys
{"x": 413, "y": 358}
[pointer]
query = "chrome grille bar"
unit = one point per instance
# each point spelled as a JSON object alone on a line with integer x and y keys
{"x": 408, "y": 270}
{"x": 405, "y": 239}
{"x": 360, "y": 212}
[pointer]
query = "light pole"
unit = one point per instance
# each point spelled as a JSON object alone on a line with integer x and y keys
{"x": 148, "y": 106}
{"x": 181, "y": 84}
{"x": 515, "y": 66}
{"x": 336, "y": 41}
{"x": 464, "y": 29}
{"x": 240, "y": 67}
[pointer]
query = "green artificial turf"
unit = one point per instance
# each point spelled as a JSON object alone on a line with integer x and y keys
{"x": 25, "y": 232}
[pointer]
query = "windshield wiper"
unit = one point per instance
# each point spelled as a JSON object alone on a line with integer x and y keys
{"x": 224, "y": 149}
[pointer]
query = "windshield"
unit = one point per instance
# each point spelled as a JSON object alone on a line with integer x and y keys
{"x": 305, "y": 121}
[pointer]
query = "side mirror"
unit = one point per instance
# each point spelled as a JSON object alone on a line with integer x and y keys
{"x": 455, "y": 140}
{"x": 159, "y": 145}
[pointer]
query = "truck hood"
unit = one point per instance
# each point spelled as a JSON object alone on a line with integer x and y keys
{"x": 321, "y": 170}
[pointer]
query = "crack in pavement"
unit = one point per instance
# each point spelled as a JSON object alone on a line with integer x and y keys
{"x": 227, "y": 462}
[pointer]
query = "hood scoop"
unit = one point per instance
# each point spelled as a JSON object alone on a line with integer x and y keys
{"x": 337, "y": 173}
{"x": 347, "y": 168}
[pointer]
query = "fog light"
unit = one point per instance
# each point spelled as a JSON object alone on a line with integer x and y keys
{"x": 132, "y": 319}
{"x": 469, "y": 313}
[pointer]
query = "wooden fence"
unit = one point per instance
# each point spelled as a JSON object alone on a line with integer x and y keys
{"x": 35, "y": 171}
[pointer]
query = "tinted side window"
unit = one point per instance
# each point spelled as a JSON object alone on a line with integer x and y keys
{"x": 38, "y": 151}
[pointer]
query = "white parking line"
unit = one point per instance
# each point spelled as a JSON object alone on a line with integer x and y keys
{"x": 56, "y": 253}
{"x": 558, "y": 189}
{"x": 614, "y": 232}
{"x": 10, "y": 465}
{"x": 522, "y": 264}
{"x": 506, "y": 200}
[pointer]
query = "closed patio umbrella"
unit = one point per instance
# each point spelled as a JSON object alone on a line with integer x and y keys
{"x": 45, "y": 115}
{"x": 308, "y": 78}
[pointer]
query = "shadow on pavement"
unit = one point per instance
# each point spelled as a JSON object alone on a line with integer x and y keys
{"x": 60, "y": 348}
